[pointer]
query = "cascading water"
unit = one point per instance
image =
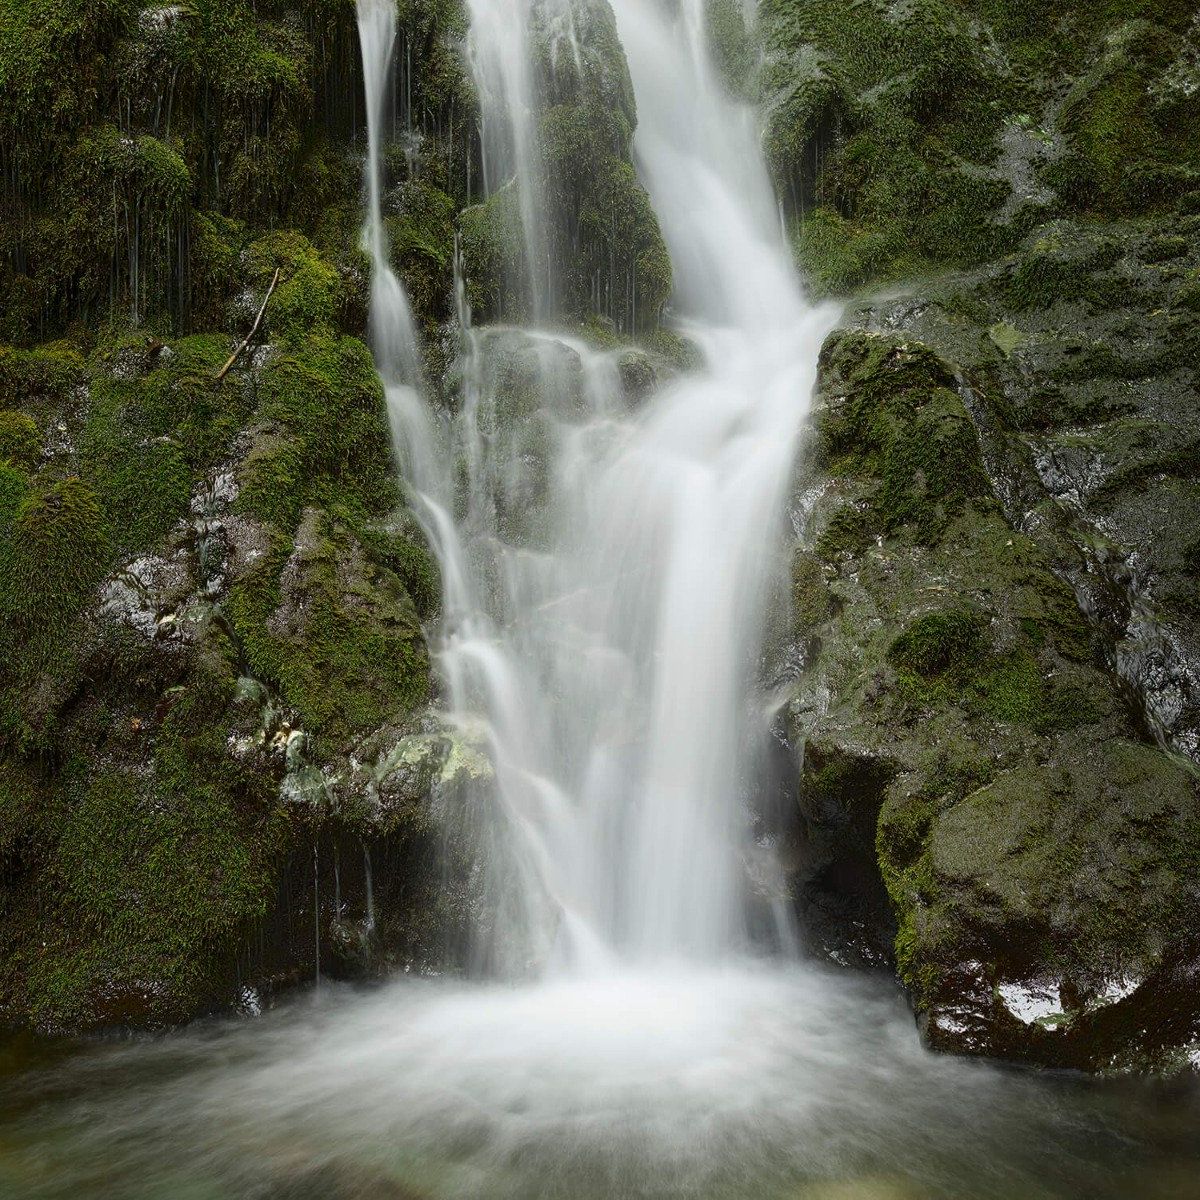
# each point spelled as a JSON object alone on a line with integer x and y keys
{"x": 606, "y": 580}
{"x": 611, "y": 656}
{"x": 392, "y": 334}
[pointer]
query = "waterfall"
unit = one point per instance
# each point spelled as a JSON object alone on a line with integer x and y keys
{"x": 392, "y": 334}
{"x": 607, "y": 564}
{"x": 499, "y": 53}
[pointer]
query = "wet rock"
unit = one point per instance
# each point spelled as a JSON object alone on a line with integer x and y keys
{"x": 962, "y": 705}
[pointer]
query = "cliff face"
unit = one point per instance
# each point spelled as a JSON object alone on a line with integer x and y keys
{"x": 216, "y": 756}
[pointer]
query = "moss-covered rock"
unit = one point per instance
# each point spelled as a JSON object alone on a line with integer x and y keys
{"x": 334, "y": 633}
{"x": 967, "y": 747}
{"x": 600, "y": 251}
{"x": 908, "y": 136}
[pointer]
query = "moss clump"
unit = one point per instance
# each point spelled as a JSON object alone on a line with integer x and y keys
{"x": 156, "y": 419}
{"x": 899, "y": 420}
{"x": 1023, "y": 852}
{"x": 940, "y": 641}
{"x": 55, "y": 547}
{"x": 112, "y": 244}
{"x": 839, "y": 254}
{"x": 1132, "y": 134}
{"x": 54, "y": 550}
{"x": 336, "y": 632}
{"x": 946, "y": 658}
{"x": 422, "y": 245}
{"x": 307, "y": 297}
{"x": 29, "y": 377}
{"x": 54, "y": 69}
{"x": 493, "y": 257}
{"x": 1062, "y": 265}
{"x": 811, "y": 601}
{"x": 598, "y": 247}
{"x": 411, "y": 563}
{"x": 330, "y": 444}
{"x": 620, "y": 266}
{"x": 20, "y": 440}
{"x": 730, "y": 44}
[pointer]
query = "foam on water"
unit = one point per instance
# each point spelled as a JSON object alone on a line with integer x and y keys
{"x": 736, "y": 1081}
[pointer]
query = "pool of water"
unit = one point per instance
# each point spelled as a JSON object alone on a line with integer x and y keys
{"x": 743, "y": 1082}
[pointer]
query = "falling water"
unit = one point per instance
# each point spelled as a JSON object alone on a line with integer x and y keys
{"x": 606, "y": 577}
{"x": 605, "y": 572}
{"x": 392, "y": 333}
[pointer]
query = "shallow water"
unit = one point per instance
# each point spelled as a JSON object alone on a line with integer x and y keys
{"x": 746, "y": 1081}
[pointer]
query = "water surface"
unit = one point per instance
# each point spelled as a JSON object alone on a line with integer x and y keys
{"x": 746, "y": 1081}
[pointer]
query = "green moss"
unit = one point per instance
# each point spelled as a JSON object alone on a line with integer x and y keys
{"x": 150, "y": 433}
{"x": 332, "y": 447}
{"x": 847, "y": 532}
{"x": 882, "y": 130}
{"x": 112, "y": 246}
{"x": 730, "y": 45}
{"x": 1043, "y": 849}
{"x": 811, "y": 599}
{"x": 839, "y": 255}
{"x": 618, "y": 261}
{"x": 47, "y": 372}
{"x": 899, "y": 420}
{"x": 1130, "y": 148}
{"x": 56, "y": 548}
{"x": 14, "y": 487}
{"x": 54, "y": 68}
{"x": 899, "y": 135}
{"x": 945, "y": 658}
{"x": 493, "y": 257}
{"x": 20, "y": 439}
{"x": 307, "y": 297}
{"x": 940, "y": 641}
{"x": 157, "y": 871}
{"x": 1063, "y": 266}
{"x": 334, "y": 631}
{"x": 216, "y": 245}
{"x": 422, "y": 245}
{"x": 411, "y": 563}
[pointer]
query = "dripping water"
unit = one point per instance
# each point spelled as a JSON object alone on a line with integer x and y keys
{"x": 370, "y": 887}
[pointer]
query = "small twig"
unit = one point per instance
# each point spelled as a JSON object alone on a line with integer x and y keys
{"x": 253, "y": 330}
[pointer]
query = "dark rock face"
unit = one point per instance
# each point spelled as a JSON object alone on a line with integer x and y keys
{"x": 998, "y": 673}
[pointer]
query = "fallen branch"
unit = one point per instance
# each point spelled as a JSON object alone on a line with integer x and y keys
{"x": 253, "y": 330}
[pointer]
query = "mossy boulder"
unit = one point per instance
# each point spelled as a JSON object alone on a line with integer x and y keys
{"x": 907, "y": 137}
{"x": 894, "y": 415}
{"x": 20, "y": 441}
{"x": 979, "y": 799}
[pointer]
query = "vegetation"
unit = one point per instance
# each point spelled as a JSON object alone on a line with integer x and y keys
{"x": 905, "y": 138}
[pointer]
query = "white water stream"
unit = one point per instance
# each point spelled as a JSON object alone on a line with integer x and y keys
{"x": 606, "y": 571}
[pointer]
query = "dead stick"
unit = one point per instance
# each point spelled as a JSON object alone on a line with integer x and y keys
{"x": 253, "y": 330}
